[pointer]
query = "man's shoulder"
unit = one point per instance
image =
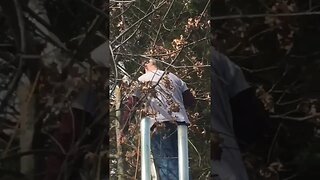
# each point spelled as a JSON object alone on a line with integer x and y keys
{"x": 149, "y": 76}
{"x": 174, "y": 77}
{"x": 141, "y": 77}
{"x": 144, "y": 77}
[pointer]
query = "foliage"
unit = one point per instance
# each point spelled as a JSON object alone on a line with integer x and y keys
{"x": 276, "y": 43}
{"x": 45, "y": 63}
{"x": 175, "y": 33}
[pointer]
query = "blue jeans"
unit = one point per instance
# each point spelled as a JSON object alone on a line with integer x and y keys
{"x": 164, "y": 147}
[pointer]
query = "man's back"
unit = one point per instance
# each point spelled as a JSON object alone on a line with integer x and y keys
{"x": 167, "y": 100}
{"x": 165, "y": 97}
{"x": 226, "y": 81}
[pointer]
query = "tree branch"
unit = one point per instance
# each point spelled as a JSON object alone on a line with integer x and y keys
{"x": 134, "y": 24}
{"x": 295, "y": 118}
{"x": 264, "y": 15}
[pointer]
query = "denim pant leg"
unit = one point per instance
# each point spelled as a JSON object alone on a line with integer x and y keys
{"x": 164, "y": 146}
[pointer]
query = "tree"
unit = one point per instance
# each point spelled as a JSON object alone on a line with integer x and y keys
{"x": 176, "y": 34}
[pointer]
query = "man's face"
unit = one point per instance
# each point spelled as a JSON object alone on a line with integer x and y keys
{"x": 147, "y": 64}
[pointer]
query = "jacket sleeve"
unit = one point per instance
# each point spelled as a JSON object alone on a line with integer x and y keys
{"x": 250, "y": 119}
{"x": 229, "y": 74}
{"x": 188, "y": 99}
{"x": 128, "y": 112}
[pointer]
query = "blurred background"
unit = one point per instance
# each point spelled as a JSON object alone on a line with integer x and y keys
{"x": 276, "y": 43}
{"x": 53, "y": 95}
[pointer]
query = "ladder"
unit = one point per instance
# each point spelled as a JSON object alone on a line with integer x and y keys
{"x": 146, "y": 164}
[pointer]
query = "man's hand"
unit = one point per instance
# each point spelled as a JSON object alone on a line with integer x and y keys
{"x": 128, "y": 112}
{"x": 216, "y": 150}
{"x": 122, "y": 137}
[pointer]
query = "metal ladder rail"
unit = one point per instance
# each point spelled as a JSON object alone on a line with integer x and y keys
{"x": 145, "y": 125}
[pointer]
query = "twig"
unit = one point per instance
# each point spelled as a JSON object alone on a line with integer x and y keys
{"x": 159, "y": 55}
{"x": 162, "y": 24}
{"x": 194, "y": 147}
{"x": 123, "y": 42}
{"x": 279, "y": 80}
{"x": 274, "y": 140}
{"x": 260, "y": 70}
{"x": 289, "y": 102}
{"x": 260, "y": 33}
{"x": 55, "y": 141}
{"x": 292, "y": 176}
{"x": 100, "y": 155}
{"x": 48, "y": 36}
{"x": 122, "y": 1}
{"x": 296, "y": 118}
{"x": 36, "y": 17}
{"x": 286, "y": 91}
{"x": 73, "y": 126}
{"x": 264, "y": 15}
{"x": 167, "y": 12}
{"x": 96, "y": 10}
{"x": 113, "y": 18}
{"x": 304, "y": 56}
{"x": 182, "y": 67}
{"x": 138, "y": 155}
{"x": 157, "y": 35}
{"x": 98, "y": 167}
{"x": 134, "y": 24}
{"x": 115, "y": 69}
{"x": 25, "y": 153}
{"x": 145, "y": 56}
{"x": 205, "y": 8}
{"x": 84, "y": 134}
{"x": 91, "y": 31}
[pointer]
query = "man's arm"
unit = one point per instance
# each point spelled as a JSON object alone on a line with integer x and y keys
{"x": 249, "y": 117}
{"x": 250, "y": 120}
{"x": 229, "y": 74}
{"x": 128, "y": 112}
{"x": 188, "y": 99}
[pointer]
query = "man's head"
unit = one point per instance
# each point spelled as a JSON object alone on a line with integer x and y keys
{"x": 150, "y": 65}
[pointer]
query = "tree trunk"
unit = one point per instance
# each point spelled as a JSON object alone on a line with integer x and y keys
{"x": 26, "y": 104}
{"x": 120, "y": 164}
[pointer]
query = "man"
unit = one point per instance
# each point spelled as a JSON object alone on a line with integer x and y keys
{"x": 83, "y": 124}
{"x": 165, "y": 98}
{"x": 238, "y": 118}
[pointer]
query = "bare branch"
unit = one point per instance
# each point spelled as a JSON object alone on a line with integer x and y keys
{"x": 265, "y": 15}
{"x": 134, "y": 24}
{"x": 260, "y": 70}
{"x": 305, "y": 118}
